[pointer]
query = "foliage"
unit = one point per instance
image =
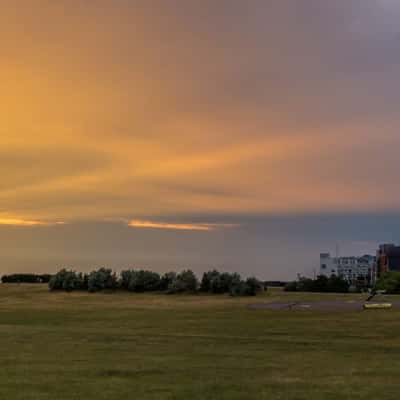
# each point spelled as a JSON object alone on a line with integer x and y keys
{"x": 124, "y": 279}
{"x": 249, "y": 287}
{"x": 26, "y": 278}
{"x": 333, "y": 284}
{"x": 253, "y": 286}
{"x": 67, "y": 280}
{"x": 166, "y": 280}
{"x": 149, "y": 281}
{"x": 205, "y": 285}
{"x": 142, "y": 281}
{"x": 102, "y": 279}
{"x": 216, "y": 282}
{"x": 291, "y": 287}
{"x": 185, "y": 281}
{"x": 390, "y": 282}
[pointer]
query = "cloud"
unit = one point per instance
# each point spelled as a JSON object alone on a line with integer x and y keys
{"x": 27, "y": 223}
{"x": 198, "y": 107}
{"x": 178, "y": 226}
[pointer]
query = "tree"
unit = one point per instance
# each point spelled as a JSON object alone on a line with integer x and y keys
{"x": 216, "y": 282}
{"x": 166, "y": 280}
{"x": 291, "y": 287}
{"x": 125, "y": 278}
{"x": 249, "y": 287}
{"x": 390, "y": 282}
{"x": 66, "y": 280}
{"x": 102, "y": 279}
{"x": 333, "y": 284}
{"x": 337, "y": 285}
{"x": 205, "y": 285}
{"x": 26, "y": 278}
{"x": 186, "y": 281}
{"x": 144, "y": 281}
{"x": 72, "y": 281}
{"x": 254, "y": 286}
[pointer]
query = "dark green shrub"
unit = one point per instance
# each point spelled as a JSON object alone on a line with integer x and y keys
{"x": 144, "y": 281}
{"x": 205, "y": 285}
{"x": 186, "y": 281}
{"x": 125, "y": 278}
{"x": 336, "y": 284}
{"x": 216, "y": 282}
{"x": 390, "y": 282}
{"x": 26, "y": 278}
{"x": 249, "y": 287}
{"x": 66, "y": 280}
{"x": 166, "y": 280}
{"x": 322, "y": 284}
{"x": 102, "y": 279}
{"x": 291, "y": 287}
{"x": 254, "y": 286}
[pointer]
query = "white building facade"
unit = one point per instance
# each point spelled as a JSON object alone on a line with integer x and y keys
{"x": 352, "y": 269}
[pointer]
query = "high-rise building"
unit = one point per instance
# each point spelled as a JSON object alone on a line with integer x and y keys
{"x": 387, "y": 258}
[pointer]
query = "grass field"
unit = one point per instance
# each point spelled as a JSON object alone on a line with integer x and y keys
{"x": 127, "y": 346}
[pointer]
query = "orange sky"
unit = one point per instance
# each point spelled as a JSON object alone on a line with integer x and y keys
{"x": 143, "y": 110}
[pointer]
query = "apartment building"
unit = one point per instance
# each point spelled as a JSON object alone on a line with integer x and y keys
{"x": 352, "y": 269}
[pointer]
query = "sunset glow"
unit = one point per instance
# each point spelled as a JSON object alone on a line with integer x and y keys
{"x": 24, "y": 222}
{"x": 176, "y": 226}
{"x": 96, "y": 132}
{"x": 193, "y": 116}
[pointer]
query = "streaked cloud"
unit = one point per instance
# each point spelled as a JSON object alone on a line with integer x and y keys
{"x": 26, "y": 222}
{"x": 179, "y": 226}
{"x": 179, "y": 114}
{"x": 226, "y": 119}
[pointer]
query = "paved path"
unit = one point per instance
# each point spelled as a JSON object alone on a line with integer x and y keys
{"x": 333, "y": 305}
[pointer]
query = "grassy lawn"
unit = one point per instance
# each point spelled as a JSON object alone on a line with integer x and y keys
{"x": 127, "y": 346}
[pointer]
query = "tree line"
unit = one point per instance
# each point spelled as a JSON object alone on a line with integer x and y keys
{"x": 333, "y": 284}
{"x": 141, "y": 281}
{"x": 388, "y": 282}
{"x": 26, "y": 278}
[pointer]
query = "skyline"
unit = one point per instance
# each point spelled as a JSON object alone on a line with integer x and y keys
{"x": 153, "y": 120}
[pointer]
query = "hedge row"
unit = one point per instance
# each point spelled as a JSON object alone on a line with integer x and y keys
{"x": 333, "y": 284}
{"x": 26, "y": 278}
{"x": 149, "y": 281}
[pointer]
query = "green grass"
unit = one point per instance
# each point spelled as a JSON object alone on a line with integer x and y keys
{"x": 126, "y": 346}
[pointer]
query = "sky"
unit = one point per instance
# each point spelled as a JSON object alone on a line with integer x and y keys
{"x": 244, "y": 135}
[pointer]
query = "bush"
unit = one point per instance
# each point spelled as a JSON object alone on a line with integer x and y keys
{"x": 322, "y": 284}
{"x": 26, "y": 278}
{"x": 102, "y": 279}
{"x": 291, "y": 287}
{"x": 390, "y": 282}
{"x": 66, "y": 280}
{"x": 336, "y": 284}
{"x": 125, "y": 278}
{"x": 166, "y": 280}
{"x": 186, "y": 281}
{"x": 254, "y": 286}
{"x": 215, "y": 282}
{"x": 140, "y": 281}
{"x": 249, "y": 287}
{"x": 144, "y": 281}
{"x": 205, "y": 285}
